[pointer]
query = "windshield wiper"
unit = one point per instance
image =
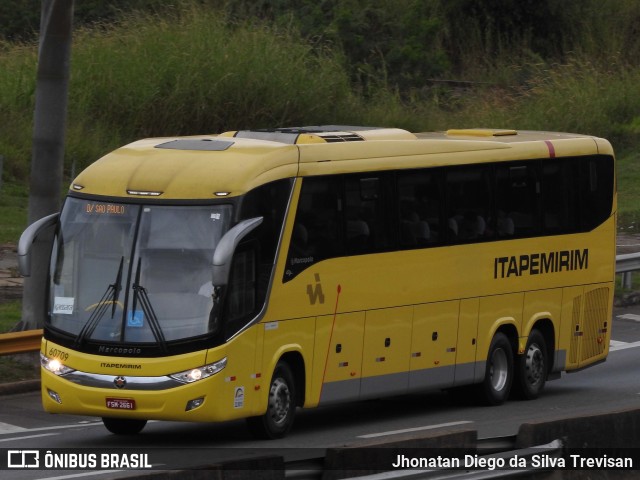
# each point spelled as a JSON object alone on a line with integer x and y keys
{"x": 140, "y": 294}
{"x": 116, "y": 288}
{"x": 113, "y": 292}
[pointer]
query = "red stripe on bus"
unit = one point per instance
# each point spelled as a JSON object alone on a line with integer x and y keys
{"x": 552, "y": 150}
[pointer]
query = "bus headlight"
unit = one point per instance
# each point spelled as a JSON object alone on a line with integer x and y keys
{"x": 54, "y": 365}
{"x": 195, "y": 374}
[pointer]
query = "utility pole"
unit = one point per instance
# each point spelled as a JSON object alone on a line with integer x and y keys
{"x": 47, "y": 160}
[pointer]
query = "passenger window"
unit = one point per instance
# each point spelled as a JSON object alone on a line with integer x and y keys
{"x": 560, "y": 196}
{"x": 516, "y": 200}
{"x": 419, "y": 205}
{"x": 316, "y": 230}
{"x": 468, "y": 202}
{"x": 597, "y": 191}
{"x": 366, "y": 224}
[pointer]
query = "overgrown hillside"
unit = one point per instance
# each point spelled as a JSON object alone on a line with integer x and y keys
{"x": 210, "y": 66}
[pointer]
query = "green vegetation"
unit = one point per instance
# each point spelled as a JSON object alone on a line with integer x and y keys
{"x": 11, "y": 367}
{"x": 13, "y": 212}
{"x": 12, "y": 370}
{"x": 10, "y": 314}
{"x": 152, "y": 68}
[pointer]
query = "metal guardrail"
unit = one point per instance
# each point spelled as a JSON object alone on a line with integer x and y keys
{"x": 625, "y": 264}
{"x": 29, "y": 341}
{"x": 20, "y": 342}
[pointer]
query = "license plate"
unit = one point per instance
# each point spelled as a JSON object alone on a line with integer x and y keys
{"x": 121, "y": 403}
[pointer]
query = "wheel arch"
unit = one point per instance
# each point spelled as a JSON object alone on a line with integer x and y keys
{"x": 295, "y": 361}
{"x": 511, "y": 332}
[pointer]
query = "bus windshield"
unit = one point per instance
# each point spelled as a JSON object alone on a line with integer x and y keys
{"x": 130, "y": 273}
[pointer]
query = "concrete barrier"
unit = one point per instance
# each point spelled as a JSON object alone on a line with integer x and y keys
{"x": 270, "y": 467}
{"x": 618, "y": 429}
{"x": 375, "y": 456}
{"x": 608, "y": 431}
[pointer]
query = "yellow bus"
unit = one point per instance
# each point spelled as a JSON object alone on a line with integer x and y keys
{"x": 246, "y": 274}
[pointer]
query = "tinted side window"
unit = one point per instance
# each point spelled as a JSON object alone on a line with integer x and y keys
{"x": 468, "y": 202}
{"x": 419, "y": 208}
{"x": 596, "y": 190}
{"x": 516, "y": 213}
{"x": 367, "y": 226}
{"x": 317, "y": 228}
{"x": 254, "y": 259}
{"x": 560, "y": 196}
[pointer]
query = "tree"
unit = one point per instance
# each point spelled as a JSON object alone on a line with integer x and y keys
{"x": 48, "y": 144}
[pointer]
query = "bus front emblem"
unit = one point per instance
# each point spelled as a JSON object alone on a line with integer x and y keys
{"x": 120, "y": 382}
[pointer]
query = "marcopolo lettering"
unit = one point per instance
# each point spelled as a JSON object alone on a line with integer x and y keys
{"x": 120, "y": 350}
{"x": 541, "y": 263}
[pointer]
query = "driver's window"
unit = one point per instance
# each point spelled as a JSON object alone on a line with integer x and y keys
{"x": 241, "y": 302}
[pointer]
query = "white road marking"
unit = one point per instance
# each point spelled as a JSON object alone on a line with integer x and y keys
{"x": 615, "y": 346}
{"x": 630, "y": 316}
{"x": 98, "y": 472}
{"x": 8, "y": 428}
{"x": 15, "y": 429}
{"x": 80, "y": 475}
{"x": 415, "y": 429}
{"x": 28, "y": 436}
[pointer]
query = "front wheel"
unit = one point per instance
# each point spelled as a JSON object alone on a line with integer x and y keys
{"x": 123, "y": 426}
{"x": 281, "y": 409}
{"x": 532, "y": 367}
{"x": 498, "y": 375}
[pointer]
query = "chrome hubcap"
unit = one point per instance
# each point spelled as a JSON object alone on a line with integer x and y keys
{"x": 499, "y": 369}
{"x": 534, "y": 365}
{"x": 279, "y": 401}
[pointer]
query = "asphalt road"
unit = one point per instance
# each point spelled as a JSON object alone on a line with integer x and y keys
{"x": 613, "y": 385}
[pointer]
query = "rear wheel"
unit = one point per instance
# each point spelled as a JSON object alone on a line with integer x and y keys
{"x": 532, "y": 367}
{"x": 123, "y": 426}
{"x": 498, "y": 376}
{"x": 281, "y": 409}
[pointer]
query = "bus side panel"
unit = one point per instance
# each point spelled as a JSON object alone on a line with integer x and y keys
{"x": 260, "y": 380}
{"x": 541, "y": 305}
{"x": 281, "y": 337}
{"x": 385, "y": 356}
{"x": 568, "y": 350}
{"x": 434, "y": 345}
{"x": 496, "y": 311}
{"x": 596, "y": 323}
{"x": 341, "y": 362}
{"x": 588, "y": 311}
{"x": 467, "y": 345}
{"x": 235, "y": 394}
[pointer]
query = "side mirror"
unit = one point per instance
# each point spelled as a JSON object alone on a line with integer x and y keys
{"x": 28, "y": 237}
{"x": 223, "y": 254}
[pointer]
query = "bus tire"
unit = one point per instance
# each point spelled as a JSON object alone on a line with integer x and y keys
{"x": 281, "y": 407}
{"x": 532, "y": 367}
{"x": 123, "y": 426}
{"x": 498, "y": 376}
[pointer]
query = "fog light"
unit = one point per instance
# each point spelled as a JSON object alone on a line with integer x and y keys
{"x": 54, "y": 396}
{"x": 193, "y": 404}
